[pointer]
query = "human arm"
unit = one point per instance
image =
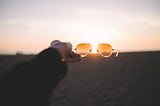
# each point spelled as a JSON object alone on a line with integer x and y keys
{"x": 32, "y": 82}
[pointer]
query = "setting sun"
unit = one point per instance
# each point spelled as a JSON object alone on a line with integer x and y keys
{"x": 94, "y": 41}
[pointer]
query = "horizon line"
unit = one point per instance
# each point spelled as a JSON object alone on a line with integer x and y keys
{"x": 35, "y": 53}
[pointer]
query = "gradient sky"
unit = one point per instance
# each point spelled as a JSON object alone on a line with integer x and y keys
{"x": 128, "y": 25}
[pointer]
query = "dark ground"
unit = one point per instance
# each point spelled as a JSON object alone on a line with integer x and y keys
{"x": 132, "y": 79}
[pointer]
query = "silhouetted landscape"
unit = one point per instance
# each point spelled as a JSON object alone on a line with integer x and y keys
{"x": 132, "y": 79}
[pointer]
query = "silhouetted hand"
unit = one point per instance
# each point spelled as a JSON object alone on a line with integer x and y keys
{"x": 73, "y": 57}
{"x": 65, "y": 49}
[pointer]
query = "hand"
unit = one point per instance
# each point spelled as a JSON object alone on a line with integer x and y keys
{"x": 73, "y": 57}
{"x": 65, "y": 49}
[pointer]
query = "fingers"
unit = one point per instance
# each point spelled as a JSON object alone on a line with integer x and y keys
{"x": 65, "y": 49}
{"x": 73, "y": 57}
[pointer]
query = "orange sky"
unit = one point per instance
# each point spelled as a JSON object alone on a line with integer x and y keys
{"x": 29, "y": 25}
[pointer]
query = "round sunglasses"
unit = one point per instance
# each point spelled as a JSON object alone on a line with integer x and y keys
{"x": 103, "y": 49}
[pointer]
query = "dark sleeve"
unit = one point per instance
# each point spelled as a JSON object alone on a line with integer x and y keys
{"x": 31, "y": 83}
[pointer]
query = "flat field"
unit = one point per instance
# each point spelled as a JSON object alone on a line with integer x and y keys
{"x": 132, "y": 79}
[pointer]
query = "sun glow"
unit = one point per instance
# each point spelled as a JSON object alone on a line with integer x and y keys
{"x": 97, "y": 34}
{"x": 94, "y": 41}
{"x": 94, "y": 47}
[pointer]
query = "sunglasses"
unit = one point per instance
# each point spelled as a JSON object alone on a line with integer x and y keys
{"x": 103, "y": 49}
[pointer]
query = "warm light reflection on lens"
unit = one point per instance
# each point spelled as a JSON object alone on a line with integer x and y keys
{"x": 105, "y": 50}
{"x": 83, "y": 49}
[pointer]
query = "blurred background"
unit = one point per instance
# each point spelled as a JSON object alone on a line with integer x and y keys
{"x": 132, "y": 79}
{"x": 29, "y": 26}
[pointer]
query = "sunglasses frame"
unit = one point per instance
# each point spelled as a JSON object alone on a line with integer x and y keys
{"x": 90, "y": 50}
{"x": 113, "y": 50}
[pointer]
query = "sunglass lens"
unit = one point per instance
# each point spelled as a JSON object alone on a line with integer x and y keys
{"x": 83, "y": 49}
{"x": 105, "y": 50}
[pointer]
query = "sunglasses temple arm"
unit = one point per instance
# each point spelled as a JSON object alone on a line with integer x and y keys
{"x": 116, "y": 52}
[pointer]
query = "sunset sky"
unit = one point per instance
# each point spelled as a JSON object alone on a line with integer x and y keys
{"x": 128, "y": 25}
